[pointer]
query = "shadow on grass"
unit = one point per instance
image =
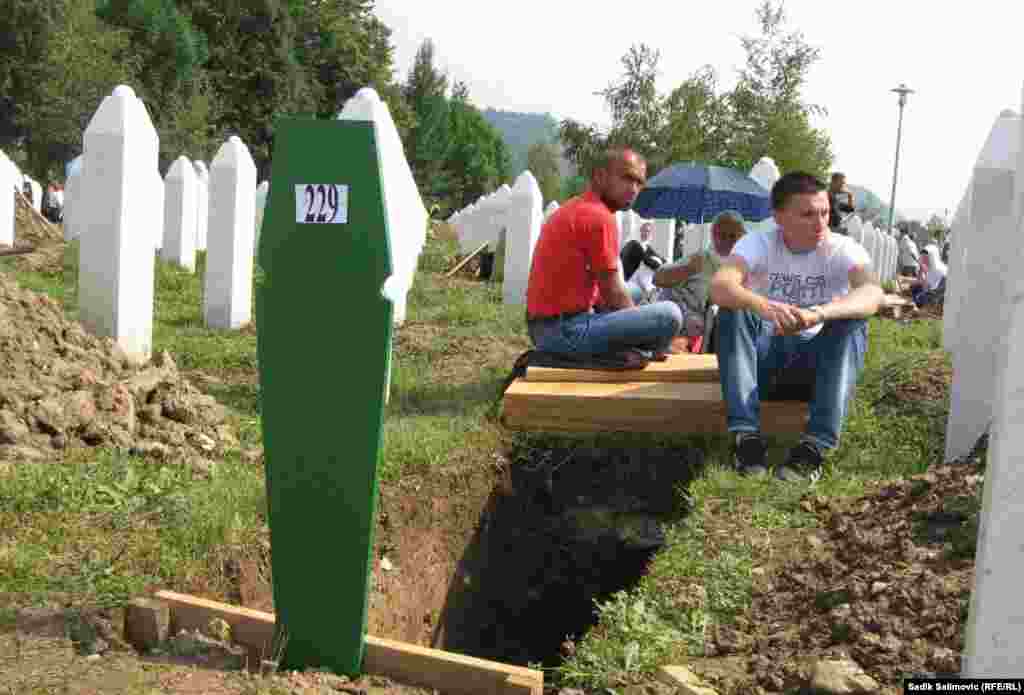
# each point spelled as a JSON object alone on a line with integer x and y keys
{"x": 446, "y": 399}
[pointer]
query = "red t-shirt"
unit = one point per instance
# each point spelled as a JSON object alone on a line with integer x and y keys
{"x": 578, "y": 240}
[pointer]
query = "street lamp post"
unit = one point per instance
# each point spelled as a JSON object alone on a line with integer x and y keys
{"x": 903, "y": 91}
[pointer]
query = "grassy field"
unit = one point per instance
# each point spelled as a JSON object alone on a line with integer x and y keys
{"x": 97, "y": 531}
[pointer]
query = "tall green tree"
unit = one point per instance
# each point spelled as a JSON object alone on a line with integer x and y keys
{"x": 542, "y": 160}
{"x": 253, "y": 69}
{"x": 770, "y": 116}
{"x": 477, "y": 160}
{"x": 346, "y": 47}
{"x": 77, "y": 69}
{"x": 765, "y": 114}
{"x": 171, "y": 54}
{"x": 26, "y": 30}
{"x": 425, "y": 92}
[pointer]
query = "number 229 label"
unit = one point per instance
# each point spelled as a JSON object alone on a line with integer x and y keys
{"x": 321, "y": 203}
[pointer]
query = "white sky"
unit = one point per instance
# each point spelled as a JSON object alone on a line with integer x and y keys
{"x": 966, "y": 65}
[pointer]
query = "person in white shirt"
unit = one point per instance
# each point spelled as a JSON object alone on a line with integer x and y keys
{"x": 794, "y": 303}
{"x": 908, "y": 255}
{"x": 929, "y": 284}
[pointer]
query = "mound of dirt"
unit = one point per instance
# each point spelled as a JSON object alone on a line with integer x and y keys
{"x": 885, "y": 583}
{"x": 63, "y": 390}
{"x": 32, "y": 229}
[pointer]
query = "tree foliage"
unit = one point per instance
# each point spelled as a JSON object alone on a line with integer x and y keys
{"x": 763, "y": 115}
{"x": 542, "y": 161}
{"x": 208, "y": 69}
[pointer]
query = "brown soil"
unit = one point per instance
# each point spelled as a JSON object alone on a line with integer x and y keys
{"x": 32, "y": 229}
{"x": 496, "y": 557}
{"x": 884, "y": 580}
{"x": 64, "y": 392}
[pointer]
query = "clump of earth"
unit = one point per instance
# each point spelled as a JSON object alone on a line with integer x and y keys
{"x": 63, "y": 390}
{"x": 882, "y": 587}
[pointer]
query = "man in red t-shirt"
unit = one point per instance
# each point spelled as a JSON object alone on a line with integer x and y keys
{"x": 575, "y": 268}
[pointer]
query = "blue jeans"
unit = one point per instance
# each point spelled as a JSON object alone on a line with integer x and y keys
{"x": 647, "y": 327}
{"x": 823, "y": 369}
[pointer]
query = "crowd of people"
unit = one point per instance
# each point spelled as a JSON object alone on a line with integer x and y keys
{"x": 793, "y": 301}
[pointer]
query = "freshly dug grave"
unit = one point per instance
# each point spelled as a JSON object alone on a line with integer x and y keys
{"x": 64, "y": 391}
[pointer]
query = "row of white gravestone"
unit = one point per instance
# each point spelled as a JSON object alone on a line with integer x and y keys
{"x": 11, "y": 179}
{"x": 984, "y": 330}
{"x": 119, "y": 186}
{"x": 882, "y": 247}
{"x": 510, "y": 214}
{"x": 114, "y": 195}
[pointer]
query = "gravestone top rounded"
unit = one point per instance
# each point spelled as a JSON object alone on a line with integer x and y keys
{"x": 235, "y": 138}
{"x": 123, "y": 90}
{"x": 368, "y": 93}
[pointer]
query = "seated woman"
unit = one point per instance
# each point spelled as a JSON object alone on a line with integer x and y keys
{"x": 686, "y": 283}
{"x": 931, "y": 278}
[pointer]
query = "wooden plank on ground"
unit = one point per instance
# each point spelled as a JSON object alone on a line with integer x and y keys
{"x": 683, "y": 408}
{"x": 677, "y": 368}
{"x": 448, "y": 672}
{"x": 408, "y": 663}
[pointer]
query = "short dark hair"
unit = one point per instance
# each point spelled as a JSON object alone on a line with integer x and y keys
{"x": 838, "y": 175}
{"x": 794, "y": 183}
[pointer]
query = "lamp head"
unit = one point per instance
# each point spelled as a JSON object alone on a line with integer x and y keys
{"x": 903, "y": 91}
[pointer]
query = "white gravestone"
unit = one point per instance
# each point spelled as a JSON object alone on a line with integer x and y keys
{"x": 663, "y": 239}
{"x": 261, "y": 202}
{"x": 766, "y": 173}
{"x": 227, "y": 300}
{"x": 8, "y": 183}
{"x": 72, "y": 228}
{"x": 407, "y": 217}
{"x": 202, "y": 204}
{"x": 868, "y": 232}
{"x": 525, "y": 216}
{"x": 180, "y": 210}
{"x": 951, "y": 333}
{"x": 991, "y": 242}
{"x": 156, "y": 215}
{"x": 855, "y": 229}
{"x": 37, "y": 195}
{"x": 994, "y": 640}
{"x": 116, "y": 264}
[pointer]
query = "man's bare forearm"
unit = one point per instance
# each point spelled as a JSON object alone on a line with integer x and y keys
{"x": 671, "y": 275}
{"x": 614, "y": 293}
{"x": 732, "y": 295}
{"x": 861, "y": 303}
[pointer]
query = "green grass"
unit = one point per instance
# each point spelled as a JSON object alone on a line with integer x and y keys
{"x": 697, "y": 581}
{"x": 108, "y": 527}
{"x": 104, "y": 526}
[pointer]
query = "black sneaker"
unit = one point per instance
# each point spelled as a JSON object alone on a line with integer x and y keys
{"x": 749, "y": 456}
{"x": 802, "y": 465}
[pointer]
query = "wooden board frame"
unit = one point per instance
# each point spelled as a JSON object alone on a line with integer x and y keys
{"x": 671, "y": 408}
{"x": 408, "y": 663}
{"x": 676, "y": 369}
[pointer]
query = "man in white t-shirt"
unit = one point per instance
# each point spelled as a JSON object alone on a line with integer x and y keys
{"x": 794, "y": 303}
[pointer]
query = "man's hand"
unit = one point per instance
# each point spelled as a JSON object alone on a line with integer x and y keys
{"x": 788, "y": 319}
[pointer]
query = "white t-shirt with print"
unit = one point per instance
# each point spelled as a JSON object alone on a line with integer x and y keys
{"x": 803, "y": 279}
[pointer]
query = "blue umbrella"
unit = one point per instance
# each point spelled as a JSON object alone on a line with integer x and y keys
{"x": 697, "y": 192}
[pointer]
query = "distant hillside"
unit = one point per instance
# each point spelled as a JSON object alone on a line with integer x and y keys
{"x": 520, "y": 130}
